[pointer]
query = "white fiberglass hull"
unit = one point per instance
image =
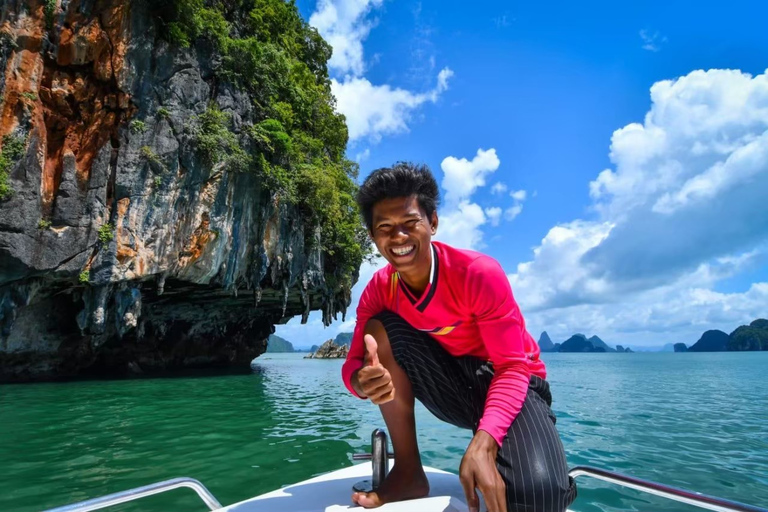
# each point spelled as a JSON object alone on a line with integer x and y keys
{"x": 331, "y": 492}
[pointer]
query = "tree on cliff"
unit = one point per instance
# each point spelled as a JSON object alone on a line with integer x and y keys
{"x": 750, "y": 337}
{"x": 299, "y": 143}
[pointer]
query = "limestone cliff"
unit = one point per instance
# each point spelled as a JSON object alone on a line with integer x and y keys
{"x": 121, "y": 244}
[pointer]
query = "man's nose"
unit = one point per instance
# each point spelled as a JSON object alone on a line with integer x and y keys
{"x": 400, "y": 232}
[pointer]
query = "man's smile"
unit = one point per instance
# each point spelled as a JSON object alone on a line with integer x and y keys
{"x": 404, "y": 250}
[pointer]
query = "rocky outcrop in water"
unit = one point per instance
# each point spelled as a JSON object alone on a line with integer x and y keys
{"x": 329, "y": 350}
{"x": 123, "y": 246}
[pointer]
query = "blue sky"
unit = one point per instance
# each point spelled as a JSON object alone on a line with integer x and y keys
{"x": 612, "y": 157}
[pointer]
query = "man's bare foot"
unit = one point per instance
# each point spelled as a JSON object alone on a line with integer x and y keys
{"x": 400, "y": 484}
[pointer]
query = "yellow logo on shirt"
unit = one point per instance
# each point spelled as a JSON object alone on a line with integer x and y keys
{"x": 442, "y": 331}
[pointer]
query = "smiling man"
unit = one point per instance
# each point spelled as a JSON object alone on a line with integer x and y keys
{"x": 440, "y": 324}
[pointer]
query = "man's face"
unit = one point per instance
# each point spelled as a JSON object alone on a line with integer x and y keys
{"x": 402, "y": 232}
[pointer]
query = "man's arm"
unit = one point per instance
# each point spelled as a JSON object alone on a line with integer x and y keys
{"x": 370, "y": 304}
{"x": 502, "y": 330}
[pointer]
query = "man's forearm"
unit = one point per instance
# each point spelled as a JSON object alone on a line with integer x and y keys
{"x": 505, "y": 399}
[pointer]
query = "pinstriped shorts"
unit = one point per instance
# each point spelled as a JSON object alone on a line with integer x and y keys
{"x": 531, "y": 459}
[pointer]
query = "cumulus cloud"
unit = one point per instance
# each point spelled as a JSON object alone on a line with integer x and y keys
{"x": 376, "y": 110}
{"x": 518, "y": 195}
{"x": 372, "y": 110}
{"x": 462, "y": 177}
{"x": 513, "y": 211}
{"x": 498, "y": 188}
{"x": 682, "y": 208}
{"x": 460, "y": 225}
{"x": 344, "y": 25}
{"x": 494, "y": 215}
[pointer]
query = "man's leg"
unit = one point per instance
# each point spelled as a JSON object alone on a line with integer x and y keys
{"x": 407, "y": 479}
{"x": 531, "y": 459}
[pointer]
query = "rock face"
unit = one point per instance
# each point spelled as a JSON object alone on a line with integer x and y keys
{"x": 343, "y": 338}
{"x": 329, "y": 350}
{"x": 579, "y": 343}
{"x": 545, "y": 343}
{"x": 750, "y": 337}
{"x": 711, "y": 341}
{"x": 598, "y": 343}
{"x": 122, "y": 248}
{"x": 277, "y": 344}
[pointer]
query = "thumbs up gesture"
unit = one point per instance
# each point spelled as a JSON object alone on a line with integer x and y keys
{"x": 374, "y": 380}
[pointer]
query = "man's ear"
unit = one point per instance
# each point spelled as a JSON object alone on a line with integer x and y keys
{"x": 433, "y": 222}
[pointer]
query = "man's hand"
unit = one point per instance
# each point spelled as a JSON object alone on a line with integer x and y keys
{"x": 478, "y": 471}
{"x": 373, "y": 380}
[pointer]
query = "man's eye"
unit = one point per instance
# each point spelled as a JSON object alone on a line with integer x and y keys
{"x": 412, "y": 222}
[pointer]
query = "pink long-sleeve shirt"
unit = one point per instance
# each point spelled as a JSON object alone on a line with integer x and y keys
{"x": 469, "y": 309}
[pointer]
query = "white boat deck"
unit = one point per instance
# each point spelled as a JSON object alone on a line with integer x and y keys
{"x": 332, "y": 492}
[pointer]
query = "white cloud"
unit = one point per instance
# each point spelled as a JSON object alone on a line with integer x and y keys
{"x": 494, "y": 215}
{"x": 343, "y": 24}
{"x": 518, "y": 195}
{"x": 363, "y": 155}
{"x": 376, "y": 110}
{"x": 459, "y": 226}
{"x": 462, "y": 176}
{"x": 371, "y": 110}
{"x": 652, "y": 41}
{"x": 513, "y": 211}
{"x": 683, "y": 208}
{"x": 498, "y": 188}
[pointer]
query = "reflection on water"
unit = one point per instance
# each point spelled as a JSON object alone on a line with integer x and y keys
{"x": 698, "y": 421}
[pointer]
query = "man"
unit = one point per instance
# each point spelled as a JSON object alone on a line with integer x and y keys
{"x": 440, "y": 324}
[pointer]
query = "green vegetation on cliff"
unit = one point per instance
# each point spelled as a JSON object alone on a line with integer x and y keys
{"x": 277, "y": 344}
{"x": 13, "y": 149}
{"x": 297, "y": 142}
{"x": 750, "y": 337}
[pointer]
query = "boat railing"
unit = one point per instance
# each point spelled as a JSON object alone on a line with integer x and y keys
{"x": 680, "y": 495}
{"x": 142, "y": 492}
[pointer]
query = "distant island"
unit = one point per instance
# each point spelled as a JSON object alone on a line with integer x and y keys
{"x": 578, "y": 343}
{"x": 746, "y": 337}
{"x": 276, "y": 344}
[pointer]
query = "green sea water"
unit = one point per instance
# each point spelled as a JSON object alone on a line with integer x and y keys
{"x": 697, "y": 421}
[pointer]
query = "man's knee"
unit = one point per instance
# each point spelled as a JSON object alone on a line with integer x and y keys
{"x": 543, "y": 487}
{"x": 375, "y": 328}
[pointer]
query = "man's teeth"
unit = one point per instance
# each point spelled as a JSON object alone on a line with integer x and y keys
{"x": 402, "y": 251}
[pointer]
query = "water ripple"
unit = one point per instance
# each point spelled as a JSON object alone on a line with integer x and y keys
{"x": 697, "y": 421}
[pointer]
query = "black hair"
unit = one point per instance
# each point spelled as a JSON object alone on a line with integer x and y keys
{"x": 403, "y": 179}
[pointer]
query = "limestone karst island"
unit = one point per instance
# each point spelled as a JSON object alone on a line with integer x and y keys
{"x": 166, "y": 198}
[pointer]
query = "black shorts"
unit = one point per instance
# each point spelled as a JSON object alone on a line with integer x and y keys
{"x": 531, "y": 459}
